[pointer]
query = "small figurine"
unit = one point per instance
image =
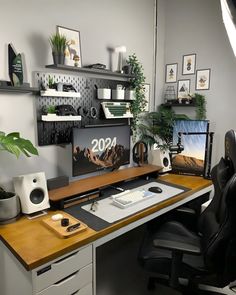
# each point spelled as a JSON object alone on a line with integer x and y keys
{"x": 76, "y": 60}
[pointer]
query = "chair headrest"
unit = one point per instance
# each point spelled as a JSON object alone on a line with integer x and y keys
{"x": 230, "y": 148}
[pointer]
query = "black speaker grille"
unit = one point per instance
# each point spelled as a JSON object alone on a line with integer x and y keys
{"x": 37, "y": 196}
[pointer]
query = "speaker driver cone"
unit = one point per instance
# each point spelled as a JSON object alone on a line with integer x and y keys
{"x": 37, "y": 196}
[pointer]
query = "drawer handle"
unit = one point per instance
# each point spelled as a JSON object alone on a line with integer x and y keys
{"x": 58, "y": 262}
{"x": 76, "y": 293}
{"x": 67, "y": 279}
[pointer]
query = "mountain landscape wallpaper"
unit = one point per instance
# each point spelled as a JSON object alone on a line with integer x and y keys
{"x": 191, "y": 159}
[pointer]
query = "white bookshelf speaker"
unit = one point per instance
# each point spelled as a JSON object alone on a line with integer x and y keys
{"x": 161, "y": 158}
{"x": 32, "y": 190}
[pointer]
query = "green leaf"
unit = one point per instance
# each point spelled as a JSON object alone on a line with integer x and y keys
{"x": 16, "y": 145}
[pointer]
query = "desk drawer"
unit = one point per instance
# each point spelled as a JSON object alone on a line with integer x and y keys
{"x": 76, "y": 283}
{"x": 61, "y": 268}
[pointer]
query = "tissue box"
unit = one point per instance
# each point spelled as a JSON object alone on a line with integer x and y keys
{"x": 104, "y": 93}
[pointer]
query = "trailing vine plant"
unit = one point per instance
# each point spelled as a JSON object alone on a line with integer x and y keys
{"x": 137, "y": 84}
{"x": 200, "y": 101}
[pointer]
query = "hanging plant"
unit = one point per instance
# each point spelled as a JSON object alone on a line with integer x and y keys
{"x": 200, "y": 102}
{"x": 137, "y": 84}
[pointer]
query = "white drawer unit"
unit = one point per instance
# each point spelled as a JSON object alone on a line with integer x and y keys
{"x": 60, "y": 269}
{"x": 77, "y": 283}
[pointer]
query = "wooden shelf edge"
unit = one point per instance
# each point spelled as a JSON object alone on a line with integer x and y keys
{"x": 95, "y": 182}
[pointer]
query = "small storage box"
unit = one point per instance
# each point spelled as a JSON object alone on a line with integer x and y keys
{"x": 104, "y": 93}
{"x": 118, "y": 94}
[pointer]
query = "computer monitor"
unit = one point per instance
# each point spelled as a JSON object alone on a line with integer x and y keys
{"x": 192, "y": 160}
{"x": 100, "y": 148}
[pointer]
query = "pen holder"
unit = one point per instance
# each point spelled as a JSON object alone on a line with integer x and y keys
{"x": 118, "y": 94}
{"x": 104, "y": 93}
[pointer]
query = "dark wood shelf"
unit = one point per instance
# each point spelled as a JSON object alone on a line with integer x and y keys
{"x": 89, "y": 71}
{"x": 179, "y": 104}
{"x": 19, "y": 89}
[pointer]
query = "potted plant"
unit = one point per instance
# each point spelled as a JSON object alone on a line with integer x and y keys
{"x": 156, "y": 129}
{"x": 14, "y": 144}
{"x": 58, "y": 45}
{"x": 136, "y": 84}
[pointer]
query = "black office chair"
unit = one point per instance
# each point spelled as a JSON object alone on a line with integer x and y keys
{"x": 209, "y": 256}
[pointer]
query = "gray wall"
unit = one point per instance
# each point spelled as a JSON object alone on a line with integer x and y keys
{"x": 196, "y": 27}
{"x": 28, "y": 25}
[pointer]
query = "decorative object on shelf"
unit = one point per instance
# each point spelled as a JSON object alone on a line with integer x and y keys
{"x": 200, "y": 102}
{"x": 9, "y": 202}
{"x": 203, "y": 79}
{"x": 137, "y": 83}
{"x": 118, "y": 93}
{"x": 171, "y": 73}
{"x": 169, "y": 94}
{"x": 120, "y": 50}
{"x": 189, "y": 64}
{"x": 15, "y": 67}
{"x": 76, "y": 60}
{"x": 73, "y": 46}
{"x": 58, "y": 45}
{"x": 183, "y": 89}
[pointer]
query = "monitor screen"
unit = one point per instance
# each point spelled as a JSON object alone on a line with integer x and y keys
{"x": 192, "y": 160}
{"x": 100, "y": 148}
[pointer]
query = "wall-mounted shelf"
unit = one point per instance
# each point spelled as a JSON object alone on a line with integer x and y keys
{"x": 50, "y": 118}
{"x": 54, "y": 93}
{"x": 179, "y": 104}
{"x": 89, "y": 71}
{"x": 19, "y": 89}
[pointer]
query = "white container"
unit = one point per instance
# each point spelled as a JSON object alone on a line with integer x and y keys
{"x": 104, "y": 93}
{"x": 129, "y": 94}
{"x": 118, "y": 94}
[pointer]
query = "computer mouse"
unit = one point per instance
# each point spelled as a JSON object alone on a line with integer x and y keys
{"x": 155, "y": 189}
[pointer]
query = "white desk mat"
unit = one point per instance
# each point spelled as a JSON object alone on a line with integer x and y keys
{"x": 111, "y": 213}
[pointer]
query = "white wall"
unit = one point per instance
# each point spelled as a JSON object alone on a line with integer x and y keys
{"x": 28, "y": 25}
{"x": 196, "y": 27}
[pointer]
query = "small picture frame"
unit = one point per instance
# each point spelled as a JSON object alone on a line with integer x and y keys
{"x": 146, "y": 88}
{"x": 73, "y": 48}
{"x": 183, "y": 89}
{"x": 171, "y": 73}
{"x": 203, "y": 79}
{"x": 189, "y": 64}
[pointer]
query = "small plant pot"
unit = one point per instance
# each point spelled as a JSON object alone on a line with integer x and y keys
{"x": 9, "y": 208}
{"x": 58, "y": 58}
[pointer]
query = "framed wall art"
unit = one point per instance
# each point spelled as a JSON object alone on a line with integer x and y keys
{"x": 203, "y": 79}
{"x": 171, "y": 73}
{"x": 189, "y": 64}
{"x": 73, "y": 47}
{"x": 183, "y": 89}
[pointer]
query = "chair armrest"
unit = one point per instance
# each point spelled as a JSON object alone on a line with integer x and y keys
{"x": 177, "y": 246}
{"x": 186, "y": 210}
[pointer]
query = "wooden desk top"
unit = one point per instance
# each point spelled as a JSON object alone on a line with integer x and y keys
{"x": 34, "y": 244}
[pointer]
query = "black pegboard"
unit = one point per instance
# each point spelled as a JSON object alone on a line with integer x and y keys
{"x": 60, "y": 132}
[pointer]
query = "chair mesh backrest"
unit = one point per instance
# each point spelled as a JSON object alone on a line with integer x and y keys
{"x": 217, "y": 223}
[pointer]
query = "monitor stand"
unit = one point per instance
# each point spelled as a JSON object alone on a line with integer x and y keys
{"x": 87, "y": 187}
